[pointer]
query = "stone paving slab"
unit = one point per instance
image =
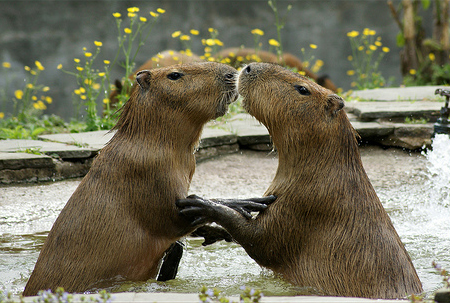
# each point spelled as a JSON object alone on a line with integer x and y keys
{"x": 366, "y": 111}
{"x": 249, "y": 130}
{"x": 95, "y": 140}
{"x": 193, "y": 298}
{"x": 64, "y": 151}
{"x": 411, "y": 93}
{"x": 24, "y": 160}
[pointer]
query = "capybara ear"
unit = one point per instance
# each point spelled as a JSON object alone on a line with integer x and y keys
{"x": 118, "y": 85}
{"x": 335, "y": 104}
{"x": 143, "y": 79}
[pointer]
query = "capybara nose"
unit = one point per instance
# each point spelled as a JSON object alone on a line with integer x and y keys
{"x": 248, "y": 69}
{"x": 229, "y": 76}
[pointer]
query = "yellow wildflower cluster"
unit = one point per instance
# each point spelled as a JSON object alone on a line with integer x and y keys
{"x": 6, "y": 65}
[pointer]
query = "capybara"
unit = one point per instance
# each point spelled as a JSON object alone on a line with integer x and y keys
{"x": 122, "y": 218}
{"x": 162, "y": 59}
{"x": 327, "y": 229}
{"x": 286, "y": 59}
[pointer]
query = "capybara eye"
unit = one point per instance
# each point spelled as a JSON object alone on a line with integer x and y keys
{"x": 174, "y": 76}
{"x": 302, "y": 90}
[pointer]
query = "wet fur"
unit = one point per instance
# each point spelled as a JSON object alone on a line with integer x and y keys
{"x": 122, "y": 217}
{"x": 327, "y": 229}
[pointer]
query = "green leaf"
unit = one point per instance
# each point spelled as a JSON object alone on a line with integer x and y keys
{"x": 400, "y": 40}
{"x": 426, "y": 4}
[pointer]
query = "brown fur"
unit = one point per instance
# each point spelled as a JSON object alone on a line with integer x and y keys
{"x": 327, "y": 229}
{"x": 287, "y": 59}
{"x": 122, "y": 217}
{"x": 162, "y": 59}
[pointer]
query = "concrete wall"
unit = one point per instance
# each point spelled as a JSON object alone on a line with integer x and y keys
{"x": 55, "y": 32}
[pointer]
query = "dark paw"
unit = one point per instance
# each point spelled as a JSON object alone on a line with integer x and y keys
{"x": 212, "y": 234}
{"x": 246, "y": 206}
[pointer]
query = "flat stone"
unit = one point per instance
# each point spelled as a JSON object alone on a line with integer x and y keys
{"x": 64, "y": 151}
{"x": 408, "y": 136}
{"x": 249, "y": 130}
{"x": 367, "y": 111}
{"x": 214, "y": 151}
{"x": 95, "y": 140}
{"x": 369, "y": 130}
{"x": 16, "y": 161}
{"x": 215, "y": 136}
{"x": 193, "y": 298}
{"x": 411, "y": 93}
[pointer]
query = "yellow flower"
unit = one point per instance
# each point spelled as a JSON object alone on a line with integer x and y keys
{"x": 210, "y": 42}
{"x": 301, "y": 72}
{"x": 2, "y": 115}
{"x": 211, "y": 30}
{"x": 218, "y": 42}
{"x": 319, "y": 63}
{"x": 274, "y": 42}
{"x": 106, "y": 61}
{"x": 160, "y": 56}
{"x": 82, "y": 97}
{"x": 59, "y": 66}
{"x": 189, "y": 52}
{"x": 131, "y": 15}
{"x": 350, "y": 72}
{"x": 360, "y": 48}
{"x": 194, "y": 32}
{"x": 39, "y": 105}
{"x": 6, "y": 65}
{"x": 87, "y": 82}
{"x": 77, "y": 92}
{"x": 176, "y": 34}
{"x": 240, "y": 58}
{"x": 117, "y": 15}
{"x": 18, "y": 94}
{"x": 27, "y": 68}
{"x": 127, "y": 30}
{"x": 106, "y": 100}
{"x": 313, "y": 46}
{"x": 208, "y": 49}
{"x": 353, "y": 34}
{"x": 378, "y": 43}
{"x": 258, "y": 32}
{"x": 412, "y": 71}
{"x": 48, "y": 99}
{"x": 96, "y": 86}
{"x": 30, "y": 85}
{"x": 385, "y": 49}
{"x": 133, "y": 9}
{"x": 372, "y": 47}
{"x": 80, "y": 68}
{"x": 372, "y": 33}
{"x": 98, "y": 43}
{"x": 171, "y": 53}
{"x": 143, "y": 19}
{"x": 76, "y": 60}
{"x": 45, "y": 89}
{"x": 153, "y": 14}
{"x": 175, "y": 58}
{"x": 432, "y": 56}
{"x": 88, "y": 54}
{"x": 161, "y": 11}
{"x": 34, "y": 98}
{"x": 185, "y": 38}
{"x": 102, "y": 74}
{"x": 350, "y": 58}
{"x": 82, "y": 90}
{"x": 33, "y": 72}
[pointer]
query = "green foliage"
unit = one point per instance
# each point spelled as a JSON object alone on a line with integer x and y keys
{"x": 248, "y": 295}
{"x": 367, "y": 53}
{"x": 59, "y": 296}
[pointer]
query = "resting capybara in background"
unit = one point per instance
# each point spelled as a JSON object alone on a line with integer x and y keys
{"x": 327, "y": 229}
{"x": 122, "y": 217}
{"x": 287, "y": 59}
{"x": 162, "y": 59}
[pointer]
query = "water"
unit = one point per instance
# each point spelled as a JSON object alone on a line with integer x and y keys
{"x": 414, "y": 188}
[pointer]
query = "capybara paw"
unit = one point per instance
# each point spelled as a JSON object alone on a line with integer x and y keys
{"x": 212, "y": 234}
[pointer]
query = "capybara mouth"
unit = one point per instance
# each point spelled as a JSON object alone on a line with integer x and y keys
{"x": 229, "y": 95}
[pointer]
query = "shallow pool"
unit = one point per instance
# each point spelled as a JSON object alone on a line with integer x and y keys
{"x": 410, "y": 186}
